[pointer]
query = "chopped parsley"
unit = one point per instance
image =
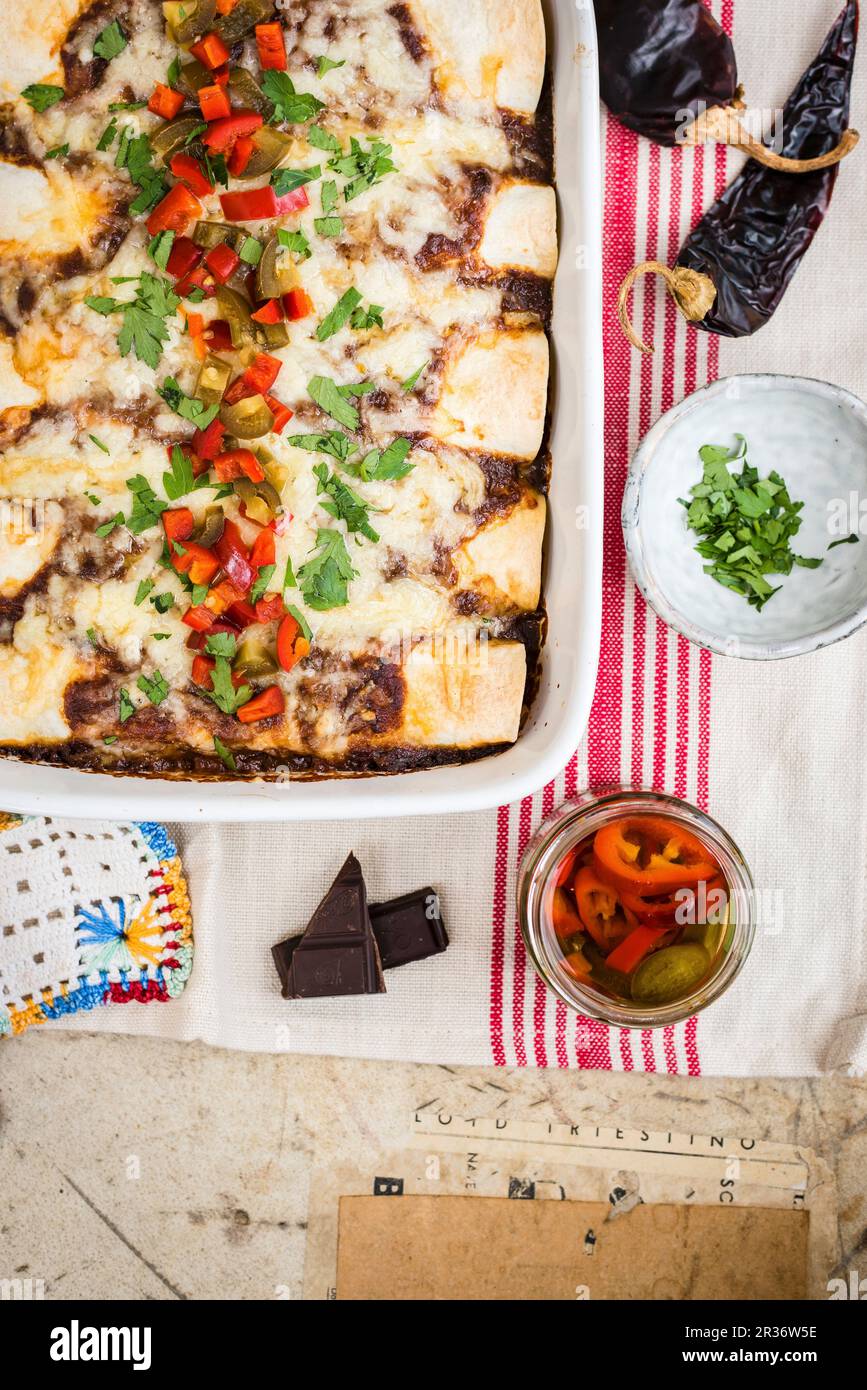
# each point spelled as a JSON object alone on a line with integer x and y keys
{"x": 412, "y": 381}
{"x": 333, "y": 442}
{"x": 287, "y": 180}
{"x": 224, "y": 694}
{"x": 161, "y": 636}
{"x": 329, "y": 397}
{"x": 289, "y": 106}
{"x": 126, "y": 708}
{"x": 371, "y": 317}
{"x": 295, "y": 241}
{"x": 388, "y": 465}
{"x": 155, "y": 687}
{"x": 160, "y": 248}
{"x": 163, "y": 602}
{"x": 745, "y": 523}
{"x": 343, "y": 504}
{"x": 221, "y": 644}
{"x": 328, "y": 226}
{"x": 289, "y": 580}
{"x": 325, "y": 65}
{"x": 136, "y": 156}
{"x": 108, "y": 526}
{"x": 224, "y": 754}
{"x": 363, "y": 168}
{"x": 99, "y": 444}
{"x": 323, "y": 140}
{"x": 328, "y": 194}
{"x": 146, "y": 507}
{"x": 142, "y": 591}
{"x": 110, "y": 738}
{"x": 41, "y": 96}
{"x": 325, "y": 577}
{"x": 339, "y": 316}
{"x": 263, "y": 579}
{"x": 93, "y": 499}
{"x": 846, "y": 540}
{"x": 106, "y": 139}
{"x": 92, "y": 636}
{"x": 110, "y": 42}
{"x": 188, "y": 407}
{"x": 127, "y": 105}
{"x": 144, "y": 317}
{"x": 58, "y": 152}
{"x": 180, "y": 481}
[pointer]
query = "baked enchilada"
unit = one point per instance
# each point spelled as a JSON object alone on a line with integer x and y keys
{"x": 274, "y": 299}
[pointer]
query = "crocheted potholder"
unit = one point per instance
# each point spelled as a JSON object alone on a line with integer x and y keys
{"x": 89, "y": 915}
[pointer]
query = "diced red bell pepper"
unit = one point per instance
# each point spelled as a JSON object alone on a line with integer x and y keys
{"x": 269, "y": 312}
{"x": 270, "y": 608}
{"x": 226, "y": 6}
{"x": 234, "y": 558}
{"x": 263, "y": 706}
{"x": 221, "y": 75}
{"x": 203, "y": 667}
{"x": 271, "y": 46}
{"x": 198, "y": 279}
{"x": 165, "y": 102}
{"x": 214, "y": 103}
{"x": 185, "y": 167}
{"x": 291, "y": 646}
{"x": 222, "y": 134}
{"x": 242, "y": 613}
{"x": 197, "y": 561}
{"x": 294, "y": 201}
{"x": 262, "y": 373}
{"x": 238, "y": 463}
{"x": 210, "y": 51}
{"x": 239, "y": 390}
{"x": 222, "y": 262}
{"x": 250, "y": 205}
{"x": 218, "y": 336}
{"x": 221, "y": 596}
{"x": 264, "y": 550}
{"x": 208, "y": 443}
{"x": 178, "y": 523}
{"x": 282, "y": 414}
{"x": 240, "y": 156}
{"x": 199, "y": 618}
{"x": 183, "y": 257}
{"x": 298, "y": 305}
{"x": 175, "y": 211}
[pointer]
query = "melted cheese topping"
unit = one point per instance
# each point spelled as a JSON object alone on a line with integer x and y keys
{"x": 403, "y": 595}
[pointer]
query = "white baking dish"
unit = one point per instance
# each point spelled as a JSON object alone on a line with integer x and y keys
{"x": 574, "y": 550}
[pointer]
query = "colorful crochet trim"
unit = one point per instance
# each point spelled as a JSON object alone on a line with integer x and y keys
{"x": 136, "y": 948}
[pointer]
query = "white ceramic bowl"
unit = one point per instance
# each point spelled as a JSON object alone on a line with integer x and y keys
{"x": 815, "y": 436}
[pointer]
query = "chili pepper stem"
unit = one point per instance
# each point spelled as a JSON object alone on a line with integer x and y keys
{"x": 722, "y": 125}
{"x": 693, "y": 293}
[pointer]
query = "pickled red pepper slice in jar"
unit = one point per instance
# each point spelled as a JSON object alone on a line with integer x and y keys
{"x": 649, "y": 855}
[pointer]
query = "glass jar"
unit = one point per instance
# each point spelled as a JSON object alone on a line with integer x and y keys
{"x": 575, "y": 823}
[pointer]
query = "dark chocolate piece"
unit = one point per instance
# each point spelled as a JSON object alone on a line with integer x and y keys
{"x": 338, "y": 954}
{"x": 409, "y": 928}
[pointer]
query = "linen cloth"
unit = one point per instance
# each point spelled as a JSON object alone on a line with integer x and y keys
{"x": 772, "y": 750}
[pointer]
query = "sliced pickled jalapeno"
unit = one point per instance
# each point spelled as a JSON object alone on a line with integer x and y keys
{"x": 188, "y": 19}
{"x": 255, "y": 658}
{"x": 192, "y": 76}
{"x": 242, "y": 18}
{"x": 211, "y": 234}
{"x": 249, "y": 418}
{"x": 273, "y": 278}
{"x": 248, "y": 94}
{"x": 214, "y": 376}
{"x": 272, "y": 335}
{"x": 261, "y": 500}
{"x": 670, "y": 974}
{"x": 212, "y": 527}
{"x": 270, "y": 148}
{"x": 236, "y": 311}
{"x": 173, "y": 136}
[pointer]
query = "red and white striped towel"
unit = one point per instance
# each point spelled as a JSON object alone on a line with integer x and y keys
{"x": 773, "y": 751}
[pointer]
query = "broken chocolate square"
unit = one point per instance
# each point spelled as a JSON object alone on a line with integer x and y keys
{"x": 338, "y": 954}
{"x": 408, "y": 929}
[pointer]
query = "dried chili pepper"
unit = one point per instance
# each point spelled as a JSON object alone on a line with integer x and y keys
{"x": 668, "y": 70}
{"x": 735, "y": 267}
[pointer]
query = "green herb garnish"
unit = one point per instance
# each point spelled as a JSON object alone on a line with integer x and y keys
{"x": 146, "y": 507}
{"x": 160, "y": 248}
{"x": 412, "y": 381}
{"x": 99, "y": 444}
{"x": 41, "y": 96}
{"x": 329, "y": 397}
{"x": 189, "y": 408}
{"x": 263, "y": 579}
{"x": 221, "y": 644}
{"x": 295, "y": 241}
{"x": 126, "y": 708}
{"x": 325, "y": 65}
{"x": 325, "y": 577}
{"x": 144, "y": 317}
{"x": 57, "y": 152}
{"x": 155, "y": 687}
{"x": 846, "y": 540}
{"x": 224, "y": 694}
{"x": 746, "y": 524}
{"x": 340, "y": 315}
{"x": 224, "y": 754}
{"x": 110, "y": 42}
{"x": 108, "y": 526}
{"x": 287, "y": 180}
{"x": 343, "y": 504}
{"x": 387, "y": 465}
{"x": 328, "y": 226}
{"x": 142, "y": 591}
{"x": 289, "y": 105}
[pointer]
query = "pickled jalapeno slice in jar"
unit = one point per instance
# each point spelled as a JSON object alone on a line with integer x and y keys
{"x": 639, "y": 910}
